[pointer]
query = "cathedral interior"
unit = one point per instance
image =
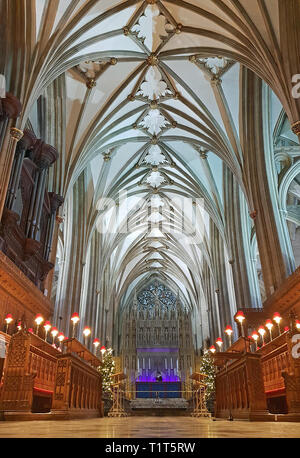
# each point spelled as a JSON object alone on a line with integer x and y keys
{"x": 150, "y": 214}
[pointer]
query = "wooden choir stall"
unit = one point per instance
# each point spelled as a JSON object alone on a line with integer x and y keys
{"x": 262, "y": 384}
{"x": 42, "y": 382}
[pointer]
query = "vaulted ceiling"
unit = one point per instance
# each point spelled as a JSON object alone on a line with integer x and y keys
{"x": 135, "y": 91}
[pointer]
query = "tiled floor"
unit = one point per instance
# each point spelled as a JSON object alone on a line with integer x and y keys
{"x": 148, "y": 427}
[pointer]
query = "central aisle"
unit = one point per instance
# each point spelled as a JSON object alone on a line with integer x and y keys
{"x": 148, "y": 427}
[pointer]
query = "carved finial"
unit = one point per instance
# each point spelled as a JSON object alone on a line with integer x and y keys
{"x": 126, "y": 31}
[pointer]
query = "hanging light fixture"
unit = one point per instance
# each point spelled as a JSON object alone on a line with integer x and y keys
{"x": 269, "y": 325}
{"x": 8, "y": 320}
{"x": 74, "y": 318}
{"x": 240, "y": 317}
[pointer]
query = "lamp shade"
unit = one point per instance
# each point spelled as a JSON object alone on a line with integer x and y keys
{"x": 39, "y": 319}
{"x": 228, "y": 330}
{"x": 240, "y": 316}
{"x": 277, "y": 318}
{"x": 96, "y": 342}
{"x": 47, "y": 326}
{"x": 8, "y": 318}
{"x": 269, "y": 324}
{"x": 54, "y": 331}
{"x": 75, "y": 317}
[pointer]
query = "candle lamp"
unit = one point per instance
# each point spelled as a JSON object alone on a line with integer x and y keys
{"x": 103, "y": 350}
{"x": 61, "y": 338}
{"x": 240, "y": 317}
{"x": 229, "y": 332}
{"x": 219, "y": 342}
{"x": 74, "y": 318}
{"x": 47, "y": 327}
{"x": 38, "y": 319}
{"x": 212, "y": 349}
{"x": 86, "y": 333}
{"x": 96, "y": 343}
{"x": 8, "y": 320}
{"x": 277, "y": 318}
{"x": 255, "y": 337}
{"x": 54, "y": 333}
{"x": 269, "y": 325}
{"x": 297, "y": 324}
{"x": 262, "y": 332}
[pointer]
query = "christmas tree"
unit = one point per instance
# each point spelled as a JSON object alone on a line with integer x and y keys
{"x": 107, "y": 369}
{"x": 208, "y": 368}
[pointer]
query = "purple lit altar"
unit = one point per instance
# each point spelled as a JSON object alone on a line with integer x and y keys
{"x": 157, "y": 365}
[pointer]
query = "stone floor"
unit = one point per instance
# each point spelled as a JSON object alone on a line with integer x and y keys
{"x": 148, "y": 427}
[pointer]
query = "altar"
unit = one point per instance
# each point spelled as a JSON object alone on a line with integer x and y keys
{"x": 165, "y": 390}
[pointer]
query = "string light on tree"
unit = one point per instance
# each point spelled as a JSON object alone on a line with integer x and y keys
{"x": 107, "y": 369}
{"x": 208, "y": 368}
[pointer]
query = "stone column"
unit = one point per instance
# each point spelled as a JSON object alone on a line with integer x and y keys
{"x": 245, "y": 288}
{"x": 274, "y": 268}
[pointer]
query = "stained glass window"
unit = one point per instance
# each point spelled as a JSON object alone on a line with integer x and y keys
{"x": 146, "y": 298}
